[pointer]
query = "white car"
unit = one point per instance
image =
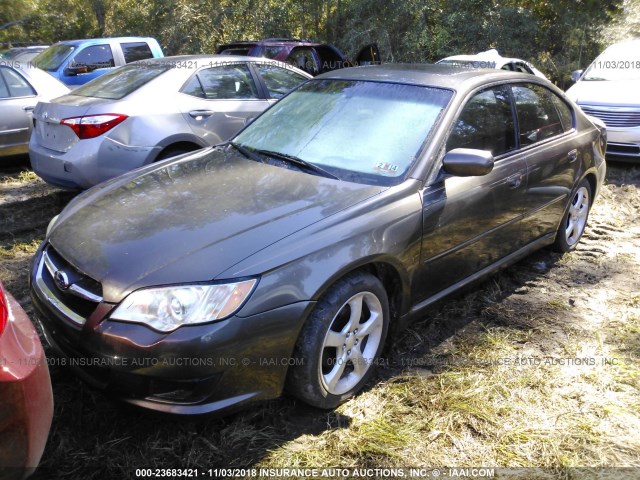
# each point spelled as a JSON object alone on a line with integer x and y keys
{"x": 610, "y": 90}
{"x": 21, "y": 88}
{"x": 491, "y": 59}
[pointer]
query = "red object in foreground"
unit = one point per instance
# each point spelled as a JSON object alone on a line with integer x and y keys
{"x": 26, "y": 399}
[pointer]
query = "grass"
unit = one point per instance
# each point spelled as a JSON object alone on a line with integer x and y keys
{"x": 538, "y": 367}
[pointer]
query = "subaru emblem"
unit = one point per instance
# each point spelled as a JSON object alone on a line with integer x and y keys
{"x": 61, "y": 279}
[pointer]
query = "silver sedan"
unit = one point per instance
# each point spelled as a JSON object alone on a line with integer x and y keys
{"x": 152, "y": 110}
{"x": 20, "y": 90}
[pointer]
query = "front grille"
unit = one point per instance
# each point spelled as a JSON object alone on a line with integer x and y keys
{"x": 615, "y": 116}
{"x": 66, "y": 288}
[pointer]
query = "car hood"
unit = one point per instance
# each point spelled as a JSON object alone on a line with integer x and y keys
{"x": 190, "y": 219}
{"x": 605, "y": 92}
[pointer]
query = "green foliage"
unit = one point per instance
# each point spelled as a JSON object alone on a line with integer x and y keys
{"x": 556, "y": 35}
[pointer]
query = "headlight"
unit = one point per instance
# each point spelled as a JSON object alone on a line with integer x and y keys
{"x": 168, "y": 308}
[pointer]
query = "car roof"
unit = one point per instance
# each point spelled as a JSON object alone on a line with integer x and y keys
{"x": 487, "y": 56}
{"x": 215, "y": 59}
{"x": 273, "y": 41}
{"x": 444, "y": 76}
{"x": 97, "y": 40}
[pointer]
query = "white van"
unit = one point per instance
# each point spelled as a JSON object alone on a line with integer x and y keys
{"x": 610, "y": 90}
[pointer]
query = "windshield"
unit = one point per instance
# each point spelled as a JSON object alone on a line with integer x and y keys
{"x": 620, "y": 62}
{"x": 122, "y": 81}
{"x": 52, "y": 57}
{"x": 365, "y": 132}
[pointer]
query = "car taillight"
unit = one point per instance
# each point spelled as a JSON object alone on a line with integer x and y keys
{"x": 91, "y": 126}
{"x": 4, "y": 309}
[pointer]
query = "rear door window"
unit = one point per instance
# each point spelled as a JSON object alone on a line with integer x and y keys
{"x": 94, "y": 57}
{"x": 538, "y": 118}
{"x": 136, "y": 51}
{"x": 225, "y": 82}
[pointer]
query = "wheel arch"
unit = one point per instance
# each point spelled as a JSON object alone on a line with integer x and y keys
{"x": 178, "y": 143}
{"x": 394, "y": 278}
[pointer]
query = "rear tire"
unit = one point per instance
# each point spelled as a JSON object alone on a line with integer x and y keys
{"x": 341, "y": 342}
{"x": 575, "y": 219}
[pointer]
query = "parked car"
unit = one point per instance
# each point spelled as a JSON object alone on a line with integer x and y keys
{"x": 75, "y": 62}
{"x": 283, "y": 257}
{"x": 313, "y": 58}
{"x": 26, "y": 399}
{"x": 117, "y": 123}
{"x": 22, "y": 55}
{"x": 491, "y": 59}
{"x": 610, "y": 90}
{"x": 20, "y": 90}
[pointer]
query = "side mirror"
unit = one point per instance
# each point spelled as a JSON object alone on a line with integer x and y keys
{"x": 73, "y": 71}
{"x": 575, "y": 75}
{"x": 468, "y": 162}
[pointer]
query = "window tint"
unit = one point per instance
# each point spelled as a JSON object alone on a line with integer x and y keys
{"x": 486, "y": 123}
{"x": 94, "y": 57}
{"x": 228, "y": 82}
{"x": 279, "y": 81}
{"x": 136, "y": 51}
{"x": 538, "y": 118}
{"x": 13, "y": 85}
{"x": 566, "y": 114}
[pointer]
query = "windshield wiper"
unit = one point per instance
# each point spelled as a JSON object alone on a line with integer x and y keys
{"x": 246, "y": 152}
{"x": 299, "y": 162}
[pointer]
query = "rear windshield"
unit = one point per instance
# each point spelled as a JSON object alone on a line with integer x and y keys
{"x": 52, "y": 57}
{"x": 122, "y": 81}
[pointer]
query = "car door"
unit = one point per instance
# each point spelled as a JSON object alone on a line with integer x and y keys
{"x": 470, "y": 223}
{"x": 277, "y": 81}
{"x": 369, "y": 55}
{"x": 218, "y": 101}
{"x": 17, "y": 101}
{"x": 305, "y": 58}
{"x": 553, "y": 151}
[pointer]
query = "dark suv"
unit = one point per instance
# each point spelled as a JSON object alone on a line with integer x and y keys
{"x": 313, "y": 58}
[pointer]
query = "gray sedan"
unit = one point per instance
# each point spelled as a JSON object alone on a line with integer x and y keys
{"x": 284, "y": 257}
{"x": 152, "y": 110}
{"x": 21, "y": 88}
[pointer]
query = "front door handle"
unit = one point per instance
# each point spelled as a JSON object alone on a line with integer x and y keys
{"x": 514, "y": 181}
{"x": 28, "y": 108}
{"x": 201, "y": 113}
{"x": 572, "y": 155}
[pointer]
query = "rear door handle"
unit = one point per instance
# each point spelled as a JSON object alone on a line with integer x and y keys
{"x": 201, "y": 113}
{"x": 572, "y": 155}
{"x": 28, "y": 108}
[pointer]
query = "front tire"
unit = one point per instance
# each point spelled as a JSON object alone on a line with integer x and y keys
{"x": 575, "y": 219}
{"x": 341, "y": 342}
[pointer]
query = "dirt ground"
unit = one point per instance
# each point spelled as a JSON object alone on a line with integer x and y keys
{"x": 435, "y": 402}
